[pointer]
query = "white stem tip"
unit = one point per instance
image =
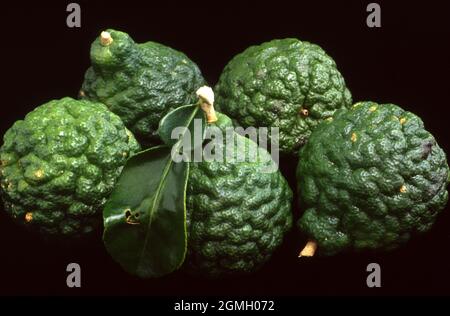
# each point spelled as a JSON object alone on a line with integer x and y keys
{"x": 206, "y": 94}
{"x": 105, "y": 38}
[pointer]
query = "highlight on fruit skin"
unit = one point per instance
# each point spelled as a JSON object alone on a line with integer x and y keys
{"x": 370, "y": 179}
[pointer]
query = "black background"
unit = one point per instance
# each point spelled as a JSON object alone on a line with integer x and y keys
{"x": 406, "y": 61}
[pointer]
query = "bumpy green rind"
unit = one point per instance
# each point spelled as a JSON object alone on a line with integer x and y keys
{"x": 140, "y": 82}
{"x": 271, "y": 84}
{"x": 369, "y": 178}
{"x": 237, "y": 212}
{"x": 60, "y": 164}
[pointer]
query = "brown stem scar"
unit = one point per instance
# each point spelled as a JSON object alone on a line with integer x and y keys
{"x": 304, "y": 112}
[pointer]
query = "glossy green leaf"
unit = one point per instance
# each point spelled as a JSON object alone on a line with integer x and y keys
{"x": 187, "y": 116}
{"x": 145, "y": 217}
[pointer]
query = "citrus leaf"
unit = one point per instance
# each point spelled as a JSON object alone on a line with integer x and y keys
{"x": 187, "y": 116}
{"x": 145, "y": 217}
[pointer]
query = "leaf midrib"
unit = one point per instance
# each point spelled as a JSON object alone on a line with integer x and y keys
{"x": 157, "y": 198}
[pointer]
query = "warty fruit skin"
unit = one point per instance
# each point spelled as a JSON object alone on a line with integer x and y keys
{"x": 284, "y": 83}
{"x": 369, "y": 178}
{"x": 237, "y": 212}
{"x": 140, "y": 82}
{"x": 59, "y": 165}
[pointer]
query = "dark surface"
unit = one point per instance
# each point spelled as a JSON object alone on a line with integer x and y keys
{"x": 406, "y": 62}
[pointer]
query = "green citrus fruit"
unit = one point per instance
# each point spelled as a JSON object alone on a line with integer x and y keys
{"x": 238, "y": 211}
{"x": 370, "y": 178}
{"x": 59, "y": 165}
{"x": 286, "y": 83}
{"x": 139, "y": 82}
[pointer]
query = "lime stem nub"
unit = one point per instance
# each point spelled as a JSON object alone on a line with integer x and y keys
{"x": 206, "y": 101}
{"x": 105, "y": 38}
{"x": 309, "y": 249}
